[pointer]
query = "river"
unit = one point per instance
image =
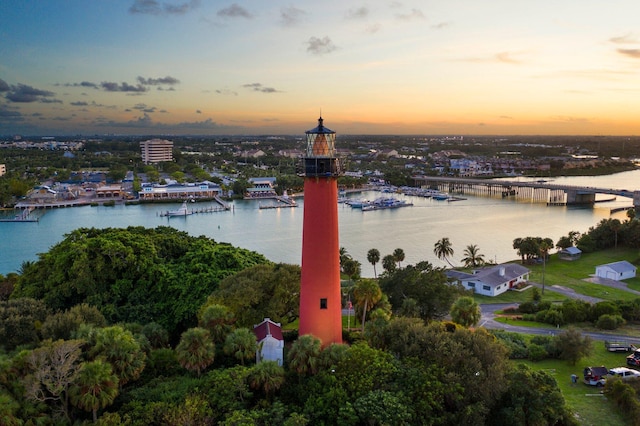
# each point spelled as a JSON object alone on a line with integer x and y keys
{"x": 490, "y": 223}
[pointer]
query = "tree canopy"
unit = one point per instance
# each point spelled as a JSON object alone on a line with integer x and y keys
{"x": 135, "y": 274}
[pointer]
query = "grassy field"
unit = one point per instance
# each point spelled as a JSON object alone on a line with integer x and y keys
{"x": 587, "y": 402}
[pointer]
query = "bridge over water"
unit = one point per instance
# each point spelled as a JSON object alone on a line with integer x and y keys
{"x": 533, "y": 191}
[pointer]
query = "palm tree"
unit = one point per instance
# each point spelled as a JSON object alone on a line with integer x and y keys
{"x": 195, "y": 351}
{"x": 217, "y": 319}
{"x": 398, "y": 256}
{"x": 367, "y": 293}
{"x": 242, "y": 344}
{"x": 344, "y": 255}
{"x": 472, "y": 257}
{"x": 304, "y": 355}
{"x": 442, "y": 248}
{"x": 466, "y": 311}
{"x": 352, "y": 268}
{"x": 373, "y": 256}
{"x": 266, "y": 375}
{"x": 389, "y": 263}
{"x": 544, "y": 247}
{"x": 95, "y": 387}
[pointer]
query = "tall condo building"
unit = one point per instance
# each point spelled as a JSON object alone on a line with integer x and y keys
{"x": 156, "y": 151}
{"x": 320, "y": 298}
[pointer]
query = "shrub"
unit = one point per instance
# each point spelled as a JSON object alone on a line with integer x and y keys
{"x": 529, "y": 307}
{"x": 610, "y": 322}
{"x": 548, "y": 343}
{"x": 537, "y": 352}
{"x": 553, "y": 317}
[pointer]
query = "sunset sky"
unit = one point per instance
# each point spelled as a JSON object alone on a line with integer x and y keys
{"x": 269, "y": 67}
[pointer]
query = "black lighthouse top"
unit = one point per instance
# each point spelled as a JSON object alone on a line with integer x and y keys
{"x": 320, "y": 153}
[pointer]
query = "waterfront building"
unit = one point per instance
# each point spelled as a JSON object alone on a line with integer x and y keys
{"x": 263, "y": 187}
{"x": 491, "y": 280}
{"x": 320, "y": 298}
{"x": 203, "y": 190}
{"x": 156, "y": 151}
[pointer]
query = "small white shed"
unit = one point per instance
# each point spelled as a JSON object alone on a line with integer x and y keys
{"x": 270, "y": 341}
{"x": 616, "y": 271}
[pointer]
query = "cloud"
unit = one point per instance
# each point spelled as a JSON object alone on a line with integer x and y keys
{"x": 168, "y": 80}
{"x": 122, "y": 87}
{"x": 632, "y": 53}
{"x": 291, "y": 16}
{"x": 226, "y": 92}
{"x": 320, "y": 46}
{"x": 441, "y": 25}
{"x": 146, "y": 122}
{"x": 258, "y": 87}
{"x": 4, "y": 87}
{"x": 359, "y": 13}
{"x": 624, "y": 39}
{"x": 144, "y": 108}
{"x": 234, "y": 11}
{"x": 81, "y": 84}
{"x": 50, "y": 101}
{"x": 8, "y": 114}
{"x": 80, "y": 103}
{"x": 154, "y": 7}
{"x": 413, "y": 14}
{"x": 26, "y": 94}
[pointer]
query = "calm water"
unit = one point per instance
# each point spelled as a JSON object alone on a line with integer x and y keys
{"x": 491, "y": 224}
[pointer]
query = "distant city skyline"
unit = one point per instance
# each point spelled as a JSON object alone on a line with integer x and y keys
{"x": 460, "y": 67}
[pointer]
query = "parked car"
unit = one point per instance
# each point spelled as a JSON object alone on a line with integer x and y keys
{"x": 634, "y": 358}
{"x": 595, "y": 376}
{"x": 624, "y": 373}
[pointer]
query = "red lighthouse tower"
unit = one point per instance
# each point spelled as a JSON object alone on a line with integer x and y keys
{"x": 320, "y": 301}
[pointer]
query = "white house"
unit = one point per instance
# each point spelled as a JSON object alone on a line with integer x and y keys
{"x": 270, "y": 341}
{"x": 616, "y": 270}
{"x": 493, "y": 280}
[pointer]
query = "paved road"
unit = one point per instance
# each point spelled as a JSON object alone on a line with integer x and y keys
{"x": 489, "y": 310}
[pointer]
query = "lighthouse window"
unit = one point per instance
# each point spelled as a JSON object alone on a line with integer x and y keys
{"x": 323, "y": 303}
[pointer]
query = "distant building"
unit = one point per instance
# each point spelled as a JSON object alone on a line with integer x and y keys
{"x": 3, "y": 169}
{"x": 493, "y": 280}
{"x": 156, "y": 151}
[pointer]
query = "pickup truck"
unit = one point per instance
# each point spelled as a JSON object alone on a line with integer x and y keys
{"x": 612, "y": 346}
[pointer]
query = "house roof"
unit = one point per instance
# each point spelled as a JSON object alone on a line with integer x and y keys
{"x": 493, "y": 275}
{"x": 267, "y": 328}
{"x": 571, "y": 250}
{"x": 621, "y": 266}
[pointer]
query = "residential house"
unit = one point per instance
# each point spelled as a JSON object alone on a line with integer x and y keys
{"x": 493, "y": 280}
{"x": 270, "y": 341}
{"x": 616, "y": 271}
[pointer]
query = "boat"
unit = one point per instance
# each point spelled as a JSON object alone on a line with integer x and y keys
{"x": 440, "y": 196}
{"x": 182, "y": 211}
{"x": 385, "y": 203}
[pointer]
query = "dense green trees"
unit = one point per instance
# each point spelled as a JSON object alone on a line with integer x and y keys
{"x": 425, "y": 285}
{"x": 258, "y": 292}
{"x": 134, "y": 274}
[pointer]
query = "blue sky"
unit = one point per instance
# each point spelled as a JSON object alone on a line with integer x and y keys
{"x": 269, "y": 67}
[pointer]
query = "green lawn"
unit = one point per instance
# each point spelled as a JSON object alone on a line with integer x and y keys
{"x": 590, "y": 406}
